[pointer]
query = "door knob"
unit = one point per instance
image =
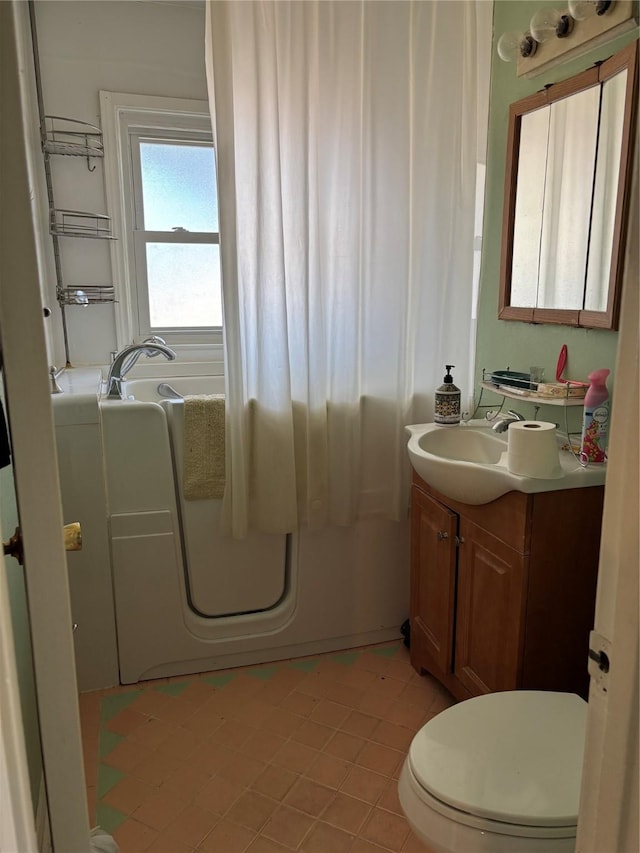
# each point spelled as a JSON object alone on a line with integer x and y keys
{"x": 72, "y": 541}
{"x": 13, "y": 547}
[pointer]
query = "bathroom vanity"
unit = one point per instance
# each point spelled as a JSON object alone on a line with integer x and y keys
{"x": 503, "y": 593}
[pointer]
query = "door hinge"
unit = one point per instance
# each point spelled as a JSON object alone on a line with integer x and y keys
{"x": 599, "y": 660}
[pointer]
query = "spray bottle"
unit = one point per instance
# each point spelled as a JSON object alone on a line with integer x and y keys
{"x": 595, "y": 424}
{"x": 447, "y": 407}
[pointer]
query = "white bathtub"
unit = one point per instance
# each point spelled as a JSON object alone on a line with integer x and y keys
{"x": 188, "y": 599}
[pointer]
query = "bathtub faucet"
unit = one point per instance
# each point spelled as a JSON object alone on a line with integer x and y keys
{"x": 126, "y": 358}
{"x": 131, "y": 360}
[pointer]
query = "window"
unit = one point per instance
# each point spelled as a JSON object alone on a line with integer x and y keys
{"x": 161, "y": 183}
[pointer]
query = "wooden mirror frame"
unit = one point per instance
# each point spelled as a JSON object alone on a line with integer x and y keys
{"x": 607, "y": 319}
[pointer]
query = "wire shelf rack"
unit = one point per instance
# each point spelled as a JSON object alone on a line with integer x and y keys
{"x": 88, "y": 294}
{"x": 71, "y": 137}
{"x": 516, "y": 386}
{"x": 80, "y": 223}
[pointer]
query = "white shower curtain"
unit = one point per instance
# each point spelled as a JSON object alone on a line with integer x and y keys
{"x": 347, "y": 138}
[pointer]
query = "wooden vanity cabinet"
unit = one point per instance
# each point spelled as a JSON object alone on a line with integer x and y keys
{"x": 503, "y": 594}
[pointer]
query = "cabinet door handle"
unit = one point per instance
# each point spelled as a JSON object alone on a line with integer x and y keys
{"x": 442, "y": 535}
{"x": 459, "y": 540}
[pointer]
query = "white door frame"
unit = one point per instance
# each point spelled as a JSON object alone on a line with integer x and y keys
{"x": 34, "y": 454}
{"x": 609, "y": 801}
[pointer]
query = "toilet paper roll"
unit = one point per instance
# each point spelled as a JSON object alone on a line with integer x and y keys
{"x": 532, "y": 450}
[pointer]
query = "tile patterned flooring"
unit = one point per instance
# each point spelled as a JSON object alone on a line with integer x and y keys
{"x": 298, "y": 755}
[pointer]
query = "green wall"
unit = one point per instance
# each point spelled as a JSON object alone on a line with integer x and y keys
{"x": 506, "y": 343}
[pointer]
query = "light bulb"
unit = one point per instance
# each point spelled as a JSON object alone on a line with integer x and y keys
{"x": 511, "y": 46}
{"x": 583, "y": 9}
{"x": 550, "y": 23}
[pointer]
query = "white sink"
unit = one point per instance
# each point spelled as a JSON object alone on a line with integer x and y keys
{"x": 468, "y": 463}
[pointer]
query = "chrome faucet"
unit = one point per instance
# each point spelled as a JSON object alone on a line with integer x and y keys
{"x": 504, "y": 423}
{"x": 127, "y": 357}
{"x": 128, "y": 364}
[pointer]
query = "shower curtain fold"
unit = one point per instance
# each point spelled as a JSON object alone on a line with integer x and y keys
{"x": 347, "y": 139}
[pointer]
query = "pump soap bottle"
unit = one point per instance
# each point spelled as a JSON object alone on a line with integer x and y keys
{"x": 447, "y": 405}
{"x": 596, "y": 418}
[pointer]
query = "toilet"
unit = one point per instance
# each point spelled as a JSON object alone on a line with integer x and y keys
{"x": 498, "y": 774}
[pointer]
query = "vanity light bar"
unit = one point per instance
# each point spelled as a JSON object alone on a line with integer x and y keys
{"x": 581, "y": 36}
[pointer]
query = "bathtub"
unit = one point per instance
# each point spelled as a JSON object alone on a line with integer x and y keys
{"x": 188, "y": 599}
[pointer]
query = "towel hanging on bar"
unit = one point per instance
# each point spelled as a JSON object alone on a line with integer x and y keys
{"x": 204, "y": 447}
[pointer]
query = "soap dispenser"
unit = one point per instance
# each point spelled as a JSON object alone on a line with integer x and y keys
{"x": 447, "y": 406}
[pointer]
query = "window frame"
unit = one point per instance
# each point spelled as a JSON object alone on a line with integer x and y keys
{"x": 171, "y": 120}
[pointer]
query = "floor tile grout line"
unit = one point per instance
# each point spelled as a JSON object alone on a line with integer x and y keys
{"x": 225, "y": 814}
{"x": 301, "y": 774}
{"x": 364, "y": 712}
{"x": 334, "y": 728}
{"x": 315, "y": 757}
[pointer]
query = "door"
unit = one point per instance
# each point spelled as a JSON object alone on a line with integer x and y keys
{"x": 34, "y": 460}
{"x": 433, "y": 581}
{"x": 490, "y": 612}
{"x": 610, "y": 794}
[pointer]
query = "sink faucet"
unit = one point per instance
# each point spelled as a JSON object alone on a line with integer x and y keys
{"x": 504, "y": 423}
{"x": 126, "y": 358}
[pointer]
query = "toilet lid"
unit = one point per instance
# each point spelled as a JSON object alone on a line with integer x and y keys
{"x": 514, "y": 757}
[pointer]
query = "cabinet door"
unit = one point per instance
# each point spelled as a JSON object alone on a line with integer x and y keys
{"x": 433, "y": 558}
{"x": 489, "y": 624}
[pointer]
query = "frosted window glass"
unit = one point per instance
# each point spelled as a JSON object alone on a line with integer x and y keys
{"x": 178, "y": 187}
{"x": 184, "y": 285}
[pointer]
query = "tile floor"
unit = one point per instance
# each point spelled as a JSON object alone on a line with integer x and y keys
{"x": 299, "y": 755}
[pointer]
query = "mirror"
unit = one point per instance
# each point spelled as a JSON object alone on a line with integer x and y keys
{"x": 567, "y": 187}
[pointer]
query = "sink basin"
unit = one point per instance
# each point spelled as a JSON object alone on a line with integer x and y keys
{"x": 464, "y": 444}
{"x": 468, "y": 463}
